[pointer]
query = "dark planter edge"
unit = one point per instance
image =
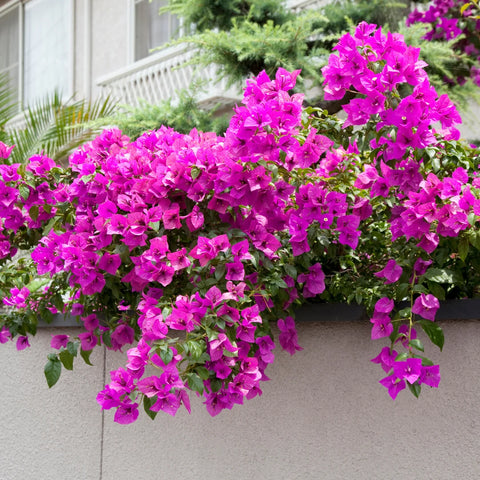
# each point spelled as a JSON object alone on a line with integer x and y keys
{"x": 465, "y": 309}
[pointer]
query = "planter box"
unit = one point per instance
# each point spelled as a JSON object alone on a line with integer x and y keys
{"x": 466, "y": 309}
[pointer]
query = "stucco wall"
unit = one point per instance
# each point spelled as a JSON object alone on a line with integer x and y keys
{"x": 470, "y": 127}
{"x": 322, "y": 416}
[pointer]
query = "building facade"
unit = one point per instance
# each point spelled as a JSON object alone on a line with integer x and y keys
{"x": 90, "y": 48}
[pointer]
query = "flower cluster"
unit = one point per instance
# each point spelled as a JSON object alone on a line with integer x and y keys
{"x": 450, "y": 20}
{"x": 190, "y": 252}
{"x": 426, "y": 207}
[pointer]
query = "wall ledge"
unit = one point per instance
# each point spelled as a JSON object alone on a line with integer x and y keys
{"x": 466, "y": 309}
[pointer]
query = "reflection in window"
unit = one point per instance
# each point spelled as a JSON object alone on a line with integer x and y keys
{"x": 152, "y": 29}
{"x": 10, "y": 47}
{"x": 46, "y": 48}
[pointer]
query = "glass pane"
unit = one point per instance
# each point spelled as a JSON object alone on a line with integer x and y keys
{"x": 9, "y": 46}
{"x": 46, "y": 48}
{"x": 152, "y": 29}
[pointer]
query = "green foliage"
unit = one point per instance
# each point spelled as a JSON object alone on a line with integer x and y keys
{"x": 434, "y": 332}
{"x": 245, "y": 37}
{"x": 56, "y": 127}
{"x": 445, "y": 64}
{"x": 183, "y": 116}
{"x": 8, "y": 108}
{"x": 53, "y": 126}
{"x": 343, "y": 14}
{"x": 248, "y": 47}
{"x": 52, "y": 370}
{"x": 220, "y": 14}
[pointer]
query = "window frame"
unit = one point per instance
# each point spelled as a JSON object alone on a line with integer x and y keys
{"x": 131, "y": 32}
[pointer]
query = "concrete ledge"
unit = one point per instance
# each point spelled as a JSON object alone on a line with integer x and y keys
{"x": 60, "y": 320}
{"x": 466, "y": 309}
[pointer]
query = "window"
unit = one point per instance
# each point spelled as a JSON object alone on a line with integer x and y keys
{"x": 36, "y": 47}
{"x": 10, "y": 59}
{"x": 46, "y": 48}
{"x": 152, "y": 29}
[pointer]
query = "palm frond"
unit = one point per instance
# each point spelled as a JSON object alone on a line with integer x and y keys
{"x": 55, "y": 128}
{"x": 8, "y": 106}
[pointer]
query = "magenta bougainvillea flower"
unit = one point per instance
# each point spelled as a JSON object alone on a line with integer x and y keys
{"x": 392, "y": 272}
{"x": 430, "y": 375}
{"x": 393, "y": 384}
{"x": 385, "y": 358}
{"x": 59, "y": 341}
{"x": 426, "y": 306}
{"x": 409, "y": 369}
{"x": 288, "y": 335}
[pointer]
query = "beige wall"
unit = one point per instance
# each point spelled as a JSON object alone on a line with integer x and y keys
{"x": 470, "y": 127}
{"x": 110, "y": 37}
{"x": 101, "y": 42}
{"x": 322, "y": 416}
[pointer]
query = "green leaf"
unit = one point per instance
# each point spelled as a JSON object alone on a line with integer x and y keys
{"x": 419, "y": 288}
{"x": 194, "y": 348}
{"x": 434, "y": 332}
{"x": 220, "y": 271}
{"x": 415, "y": 388}
{"x": 46, "y": 315}
{"x": 33, "y": 212}
{"x": 67, "y": 359}
{"x": 358, "y": 297}
{"x": 202, "y": 372}
{"x": 426, "y": 362}
{"x": 24, "y": 191}
{"x": 401, "y": 292}
{"x": 436, "y": 290}
{"x": 416, "y": 343}
{"x": 472, "y": 219}
{"x": 405, "y": 312}
{"x": 49, "y": 225}
{"x": 216, "y": 385}
{"x": 37, "y": 283}
{"x": 402, "y": 356}
{"x": 474, "y": 238}
{"x": 290, "y": 270}
{"x": 154, "y": 226}
{"x": 52, "y": 370}
{"x": 147, "y": 404}
{"x": 442, "y": 275}
{"x": 280, "y": 282}
{"x": 166, "y": 354}
{"x": 85, "y": 354}
{"x": 255, "y": 259}
{"x": 464, "y": 7}
{"x": 463, "y": 247}
{"x": 195, "y": 172}
{"x": 107, "y": 338}
{"x": 195, "y": 383}
{"x": 211, "y": 334}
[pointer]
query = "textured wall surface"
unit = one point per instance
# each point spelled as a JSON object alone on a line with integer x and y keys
{"x": 322, "y": 416}
{"x": 48, "y": 434}
{"x": 470, "y": 128}
{"x": 109, "y": 38}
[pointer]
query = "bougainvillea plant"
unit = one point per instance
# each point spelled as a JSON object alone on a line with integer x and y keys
{"x": 458, "y": 21}
{"x": 190, "y": 252}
